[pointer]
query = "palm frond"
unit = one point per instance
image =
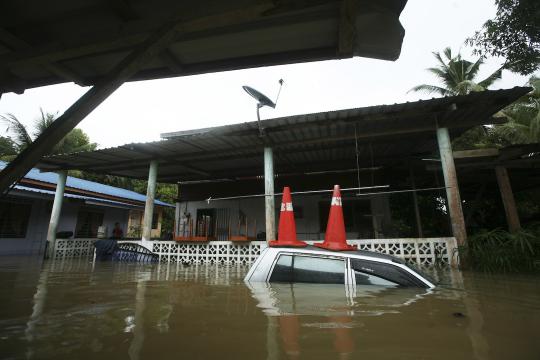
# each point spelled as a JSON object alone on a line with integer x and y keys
{"x": 448, "y": 53}
{"x": 430, "y": 89}
{"x": 487, "y": 82}
{"x": 473, "y": 68}
{"x": 20, "y": 135}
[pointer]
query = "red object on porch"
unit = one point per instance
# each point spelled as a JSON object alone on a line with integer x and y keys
{"x": 335, "y": 238}
{"x": 287, "y": 226}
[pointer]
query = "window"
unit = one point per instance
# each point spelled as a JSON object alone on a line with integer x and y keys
{"x": 14, "y": 218}
{"x": 88, "y": 222}
{"x": 356, "y": 214}
{"x": 386, "y": 274}
{"x": 308, "y": 269}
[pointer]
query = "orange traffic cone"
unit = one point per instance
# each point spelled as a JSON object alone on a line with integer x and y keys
{"x": 287, "y": 226}
{"x": 335, "y": 238}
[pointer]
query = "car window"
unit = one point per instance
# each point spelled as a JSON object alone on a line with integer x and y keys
{"x": 365, "y": 272}
{"x": 282, "y": 271}
{"x": 369, "y": 279}
{"x": 308, "y": 269}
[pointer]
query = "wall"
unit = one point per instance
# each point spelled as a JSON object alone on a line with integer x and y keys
{"x": 307, "y": 226}
{"x": 36, "y": 231}
{"x": 38, "y": 223}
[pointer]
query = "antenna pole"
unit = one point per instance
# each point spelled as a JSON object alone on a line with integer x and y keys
{"x": 279, "y": 91}
{"x": 261, "y": 130}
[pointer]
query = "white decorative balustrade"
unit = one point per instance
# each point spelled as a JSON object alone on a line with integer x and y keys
{"x": 74, "y": 248}
{"x": 423, "y": 252}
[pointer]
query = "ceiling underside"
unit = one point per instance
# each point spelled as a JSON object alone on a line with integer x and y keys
{"x": 81, "y": 41}
{"x": 386, "y": 136}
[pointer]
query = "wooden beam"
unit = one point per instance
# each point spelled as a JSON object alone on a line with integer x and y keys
{"x": 16, "y": 169}
{"x": 347, "y": 28}
{"x": 15, "y": 43}
{"x": 510, "y": 209}
{"x": 467, "y": 154}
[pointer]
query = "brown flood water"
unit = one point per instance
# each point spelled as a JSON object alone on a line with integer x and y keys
{"x": 77, "y": 310}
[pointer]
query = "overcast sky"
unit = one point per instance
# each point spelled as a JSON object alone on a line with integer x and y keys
{"x": 140, "y": 111}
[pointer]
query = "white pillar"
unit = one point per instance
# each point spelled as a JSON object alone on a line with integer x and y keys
{"x": 270, "y": 211}
{"x": 452, "y": 188}
{"x": 149, "y": 206}
{"x": 55, "y": 213}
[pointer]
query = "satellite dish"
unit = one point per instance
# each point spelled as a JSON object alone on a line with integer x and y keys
{"x": 262, "y": 100}
{"x": 260, "y": 97}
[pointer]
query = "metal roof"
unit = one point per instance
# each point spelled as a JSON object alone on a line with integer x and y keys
{"x": 93, "y": 200}
{"x": 81, "y": 41}
{"x": 301, "y": 143}
{"x": 90, "y": 186}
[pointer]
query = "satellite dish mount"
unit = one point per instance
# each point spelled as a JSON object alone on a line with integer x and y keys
{"x": 262, "y": 100}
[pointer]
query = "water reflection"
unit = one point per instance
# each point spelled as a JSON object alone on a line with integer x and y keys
{"x": 340, "y": 307}
{"x": 77, "y": 309}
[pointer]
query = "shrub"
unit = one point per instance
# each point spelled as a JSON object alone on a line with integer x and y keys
{"x": 501, "y": 251}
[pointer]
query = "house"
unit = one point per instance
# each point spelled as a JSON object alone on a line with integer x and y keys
{"x": 87, "y": 207}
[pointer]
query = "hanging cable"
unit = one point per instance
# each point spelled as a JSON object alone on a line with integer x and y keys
{"x": 293, "y": 193}
{"x": 357, "y": 161}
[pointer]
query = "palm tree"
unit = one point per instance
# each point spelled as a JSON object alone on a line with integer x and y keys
{"x": 19, "y": 137}
{"x": 458, "y": 76}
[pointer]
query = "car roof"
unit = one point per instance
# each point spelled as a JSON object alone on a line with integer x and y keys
{"x": 312, "y": 249}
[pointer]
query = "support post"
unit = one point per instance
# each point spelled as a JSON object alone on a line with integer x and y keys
{"x": 510, "y": 209}
{"x": 55, "y": 213}
{"x": 451, "y": 184}
{"x": 177, "y": 212}
{"x": 149, "y": 206}
{"x": 270, "y": 211}
{"x": 415, "y": 203}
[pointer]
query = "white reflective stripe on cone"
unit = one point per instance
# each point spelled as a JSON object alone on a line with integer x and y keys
{"x": 286, "y": 207}
{"x": 336, "y": 201}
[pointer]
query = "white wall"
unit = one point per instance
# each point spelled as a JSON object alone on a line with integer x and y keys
{"x": 307, "y": 227}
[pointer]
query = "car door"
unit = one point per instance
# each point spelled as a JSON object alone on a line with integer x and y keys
{"x": 367, "y": 272}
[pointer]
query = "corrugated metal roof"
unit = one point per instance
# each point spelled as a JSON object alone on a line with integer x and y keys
{"x": 75, "y": 196}
{"x": 307, "y": 142}
{"x": 76, "y": 183}
{"x": 83, "y": 40}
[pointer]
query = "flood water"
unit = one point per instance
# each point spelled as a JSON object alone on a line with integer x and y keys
{"x": 79, "y": 310}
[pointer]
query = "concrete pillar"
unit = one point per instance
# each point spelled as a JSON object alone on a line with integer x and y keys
{"x": 177, "y": 212}
{"x": 270, "y": 211}
{"x": 149, "y": 206}
{"x": 55, "y": 213}
{"x": 452, "y": 188}
{"x": 512, "y": 217}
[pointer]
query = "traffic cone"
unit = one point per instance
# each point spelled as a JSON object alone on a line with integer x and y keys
{"x": 287, "y": 226}
{"x": 335, "y": 238}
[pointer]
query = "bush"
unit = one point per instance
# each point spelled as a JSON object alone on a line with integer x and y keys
{"x": 501, "y": 251}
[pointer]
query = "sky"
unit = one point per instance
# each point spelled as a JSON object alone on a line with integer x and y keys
{"x": 141, "y": 111}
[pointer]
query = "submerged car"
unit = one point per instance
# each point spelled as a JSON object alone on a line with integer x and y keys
{"x": 315, "y": 265}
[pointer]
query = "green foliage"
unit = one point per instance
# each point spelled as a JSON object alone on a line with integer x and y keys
{"x": 76, "y": 140}
{"x": 457, "y": 75}
{"x": 514, "y": 34}
{"x": 523, "y": 126}
{"x": 7, "y": 148}
{"x": 501, "y": 251}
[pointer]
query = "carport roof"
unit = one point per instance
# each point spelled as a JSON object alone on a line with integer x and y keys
{"x": 81, "y": 41}
{"x": 302, "y": 143}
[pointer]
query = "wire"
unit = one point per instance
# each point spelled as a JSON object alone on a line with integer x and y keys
{"x": 346, "y": 189}
{"x": 297, "y": 192}
{"x": 357, "y": 161}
